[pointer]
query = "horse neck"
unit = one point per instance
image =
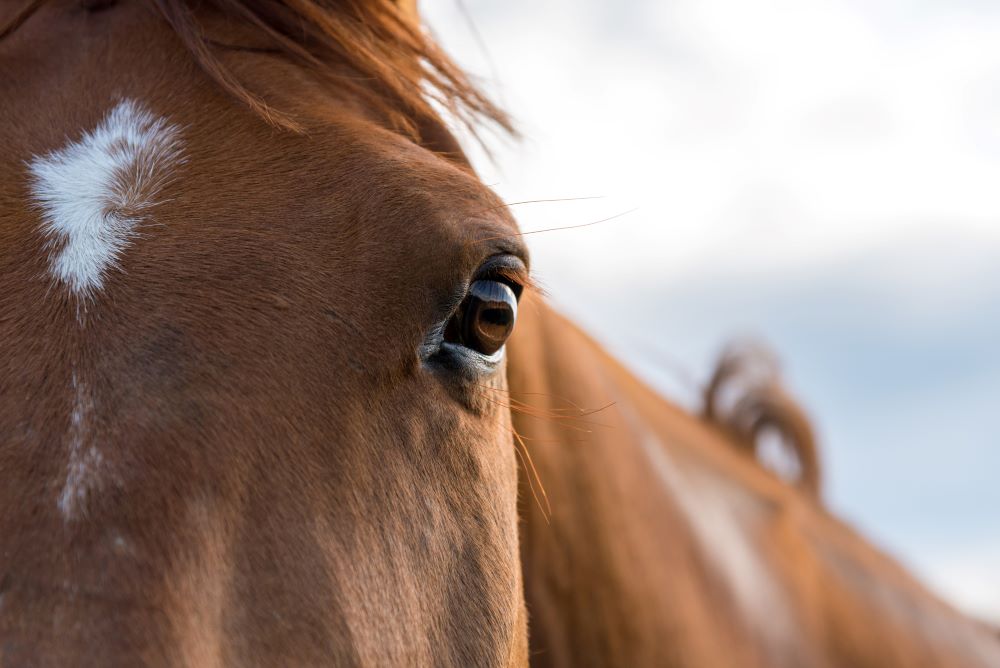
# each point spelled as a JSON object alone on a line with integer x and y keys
{"x": 659, "y": 544}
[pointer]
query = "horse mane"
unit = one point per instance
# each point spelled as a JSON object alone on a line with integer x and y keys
{"x": 394, "y": 64}
{"x": 745, "y": 398}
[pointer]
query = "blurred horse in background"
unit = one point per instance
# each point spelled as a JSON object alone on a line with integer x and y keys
{"x": 258, "y": 405}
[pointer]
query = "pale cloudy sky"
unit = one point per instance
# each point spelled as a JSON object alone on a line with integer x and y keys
{"x": 819, "y": 172}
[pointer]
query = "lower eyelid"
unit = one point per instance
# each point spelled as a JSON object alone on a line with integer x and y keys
{"x": 468, "y": 364}
{"x": 486, "y": 359}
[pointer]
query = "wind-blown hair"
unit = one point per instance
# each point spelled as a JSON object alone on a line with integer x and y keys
{"x": 390, "y": 60}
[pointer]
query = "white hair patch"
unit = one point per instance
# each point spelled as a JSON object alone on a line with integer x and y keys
{"x": 85, "y": 460}
{"x": 93, "y": 192}
{"x": 713, "y": 513}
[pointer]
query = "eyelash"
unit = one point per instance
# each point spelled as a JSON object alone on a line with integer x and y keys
{"x": 508, "y": 270}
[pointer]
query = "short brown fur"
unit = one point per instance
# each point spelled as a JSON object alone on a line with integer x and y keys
{"x": 287, "y": 480}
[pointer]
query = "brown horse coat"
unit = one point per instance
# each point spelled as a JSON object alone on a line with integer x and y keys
{"x": 665, "y": 547}
{"x": 222, "y": 440}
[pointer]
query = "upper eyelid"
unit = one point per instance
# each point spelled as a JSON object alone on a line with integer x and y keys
{"x": 507, "y": 245}
{"x": 507, "y": 266}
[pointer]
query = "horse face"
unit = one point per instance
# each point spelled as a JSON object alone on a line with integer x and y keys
{"x": 252, "y": 381}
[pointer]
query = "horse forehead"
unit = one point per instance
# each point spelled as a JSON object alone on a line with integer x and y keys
{"x": 237, "y": 166}
{"x": 92, "y": 195}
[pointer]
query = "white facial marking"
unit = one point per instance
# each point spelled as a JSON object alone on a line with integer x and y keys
{"x": 95, "y": 191}
{"x": 82, "y": 472}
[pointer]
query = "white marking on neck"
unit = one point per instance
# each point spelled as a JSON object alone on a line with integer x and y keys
{"x": 95, "y": 191}
{"x": 712, "y": 511}
{"x": 82, "y": 472}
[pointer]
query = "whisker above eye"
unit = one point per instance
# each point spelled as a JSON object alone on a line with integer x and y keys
{"x": 557, "y": 229}
{"x": 505, "y": 205}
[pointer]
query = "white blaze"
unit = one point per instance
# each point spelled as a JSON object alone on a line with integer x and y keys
{"x": 82, "y": 472}
{"x": 93, "y": 192}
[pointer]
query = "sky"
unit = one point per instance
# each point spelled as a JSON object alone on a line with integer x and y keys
{"x": 820, "y": 174}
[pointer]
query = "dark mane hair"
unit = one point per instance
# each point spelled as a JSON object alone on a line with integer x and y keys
{"x": 396, "y": 66}
{"x": 745, "y": 397}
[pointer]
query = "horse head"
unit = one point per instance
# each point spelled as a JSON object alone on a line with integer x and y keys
{"x": 254, "y": 308}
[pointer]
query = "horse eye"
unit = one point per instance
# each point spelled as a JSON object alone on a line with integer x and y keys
{"x": 485, "y": 318}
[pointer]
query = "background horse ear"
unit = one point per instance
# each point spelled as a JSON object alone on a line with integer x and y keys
{"x": 746, "y": 399}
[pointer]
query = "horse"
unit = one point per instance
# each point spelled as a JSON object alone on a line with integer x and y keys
{"x": 277, "y": 388}
{"x": 667, "y": 546}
